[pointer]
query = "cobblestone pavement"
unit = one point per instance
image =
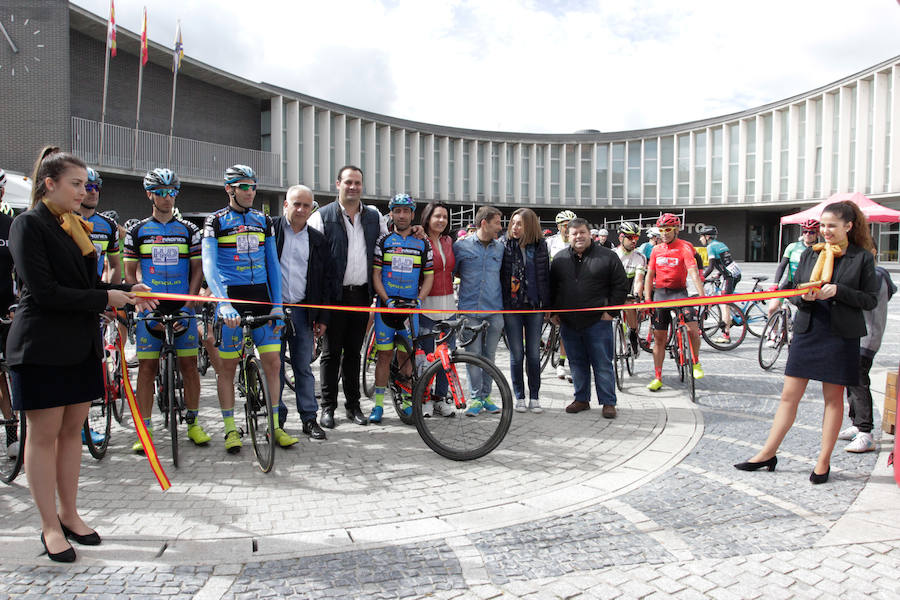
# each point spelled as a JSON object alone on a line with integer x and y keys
{"x": 569, "y": 506}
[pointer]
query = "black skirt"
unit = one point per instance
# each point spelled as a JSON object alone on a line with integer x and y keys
{"x": 821, "y": 355}
{"x": 48, "y": 386}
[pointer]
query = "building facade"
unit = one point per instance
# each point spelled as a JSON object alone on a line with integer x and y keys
{"x": 740, "y": 171}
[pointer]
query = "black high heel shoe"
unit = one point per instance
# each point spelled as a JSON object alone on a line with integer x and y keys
{"x": 815, "y": 478}
{"x": 91, "y": 539}
{"x": 755, "y": 466}
{"x": 67, "y": 555}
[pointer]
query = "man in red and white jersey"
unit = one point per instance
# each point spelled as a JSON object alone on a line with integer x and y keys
{"x": 671, "y": 263}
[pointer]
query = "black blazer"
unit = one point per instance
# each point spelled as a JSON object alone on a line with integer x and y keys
{"x": 61, "y": 296}
{"x": 321, "y": 276}
{"x": 857, "y": 290}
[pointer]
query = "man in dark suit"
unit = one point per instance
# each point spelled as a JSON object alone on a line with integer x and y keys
{"x": 307, "y": 277}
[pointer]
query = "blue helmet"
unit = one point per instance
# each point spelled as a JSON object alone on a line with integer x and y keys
{"x": 237, "y": 172}
{"x": 158, "y": 178}
{"x": 94, "y": 177}
{"x": 402, "y": 200}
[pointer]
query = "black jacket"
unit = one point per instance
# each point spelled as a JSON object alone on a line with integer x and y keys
{"x": 61, "y": 297}
{"x": 335, "y": 232}
{"x": 599, "y": 280}
{"x": 857, "y": 290}
{"x": 320, "y": 275}
{"x": 512, "y": 254}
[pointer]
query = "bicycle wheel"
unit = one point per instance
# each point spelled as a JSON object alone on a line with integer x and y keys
{"x": 172, "y": 401}
{"x": 259, "y": 414}
{"x": 289, "y": 378}
{"x": 463, "y": 437}
{"x": 619, "y": 349}
{"x": 756, "y": 318}
{"x": 687, "y": 362}
{"x": 97, "y": 425}
{"x": 554, "y": 351}
{"x": 548, "y": 341}
{"x": 202, "y": 360}
{"x": 13, "y": 456}
{"x": 712, "y": 320}
{"x": 645, "y": 334}
{"x": 629, "y": 357}
{"x": 402, "y": 385}
{"x": 773, "y": 339}
{"x": 115, "y": 385}
{"x": 367, "y": 368}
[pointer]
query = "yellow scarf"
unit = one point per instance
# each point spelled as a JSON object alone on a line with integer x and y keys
{"x": 77, "y": 228}
{"x": 824, "y": 267}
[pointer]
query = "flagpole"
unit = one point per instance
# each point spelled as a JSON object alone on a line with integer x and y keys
{"x": 137, "y": 117}
{"x": 105, "y": 84}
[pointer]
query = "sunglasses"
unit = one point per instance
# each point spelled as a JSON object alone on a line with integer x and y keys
{"x": 633, "y": 238}
{"x": 810, "y": 232}
{"x": 163, "y": 192}
{"x": 666, "y": 229}
{"x": 247, "y": 187}
{"x": 92, "y": 187}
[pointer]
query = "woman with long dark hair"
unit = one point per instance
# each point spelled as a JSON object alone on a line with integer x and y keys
{"x": 54, "y": 349}
{"x": 525, "y": 283}
{"x": 827, "y": 330}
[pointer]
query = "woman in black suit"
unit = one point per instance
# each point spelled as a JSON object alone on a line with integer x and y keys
{"x": 54, "y": 349}
{"x": 827, "y": 330}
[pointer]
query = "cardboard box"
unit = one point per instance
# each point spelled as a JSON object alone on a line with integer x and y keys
{"x": 889, "y": 421}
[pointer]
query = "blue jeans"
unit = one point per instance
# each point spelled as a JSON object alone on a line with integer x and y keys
{"x": 486, "y": 346}
{"x": 301, "y": 346}
{"x": 531, "y": 352}
{"x": 589, "y": 348}
{"x": 426, "y": 325}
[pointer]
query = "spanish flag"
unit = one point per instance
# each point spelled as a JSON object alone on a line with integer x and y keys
{"x": 144, "y": 57}
{"x": 111, "y": 28}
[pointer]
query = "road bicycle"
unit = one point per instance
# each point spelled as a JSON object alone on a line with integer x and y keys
{"x": 722, "y": 326}
{"x": 680, "y": 350}
{"x": 755, "y": 311}
{"x": 549, "y": 343}
{"x": 367, "y": 362}
{"x": 113, "y": 384}
{"x": 259, "y": 414}
{"x": 12, "y": 450}
{"x": 776, "y": 335}
{"x": 624, "y": 351}
{"x": 207, "y": 316}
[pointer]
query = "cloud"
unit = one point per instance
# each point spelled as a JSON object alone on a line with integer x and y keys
{"x": 533, "y": 65}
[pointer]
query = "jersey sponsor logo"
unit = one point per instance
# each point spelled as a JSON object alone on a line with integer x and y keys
{"x": 158, "y": 239}
{"x": 165, "y": 255}
{"x": 402, "y": 264}
{"x": 247, "y": 243}
{"x": 98, "y": 248}
{"x": 667, "y": 261}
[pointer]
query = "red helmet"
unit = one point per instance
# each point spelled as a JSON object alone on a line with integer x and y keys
{"x": 668, "y": 220}
{"x": 809, "y": 224}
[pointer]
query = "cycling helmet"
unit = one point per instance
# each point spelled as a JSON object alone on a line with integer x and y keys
{"x": 111, "y": 214}
{"x": 564, "y": 216}
{"x": 238, "y": 172}
{"x": 547, "y": 233}
{"x": 6, "y": 209}
{"x": 158, "y": 178}
{"x": 629, "y": 228}
{"x": 94, "y": 177}
{"x": 603, "y": 232}
{"x": 668, "y": 220}
{"x": 653, "y": 232}
{"x": 315, "y": 207}
{"x": 810, "y": 224}
{"x": 402, "y": 200}
{"x": 595, "y": 232}
{"x": 708, "y": 230}
{"x": 131, "y": 223}
{"x": 2, "y": 179}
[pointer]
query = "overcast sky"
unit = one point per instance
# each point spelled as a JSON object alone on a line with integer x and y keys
{"x": 532, "y": 65}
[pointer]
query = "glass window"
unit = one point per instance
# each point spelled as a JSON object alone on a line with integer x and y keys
{"x": 734, "y": 151}
{"x": 603, "y": 172}
{"x": 699, "y": 165}
{"x": 362, "y": 145}
{"x": 801, "y": 150}
{"x": 510, "y": 171}
{"x": 750, "y": 187}
{"x": 317, "y": 181}
{"x": 684, "y": 166}
{"x": 421, "y": 165}
{"x": 767, "y": 158}
{"x": 817, "y": 186}
{"x": 618, "y": 172}
{"x": 539, "y": 171}
{"x": 495, "y": 171}
{"x": 835, "y": 146}
{"x": 634, "y": 170}
{"x": 870, "y": 125}
{"x": 887, "y": 135}
{"x": 554, "y": 172}
{"x": 437, "y": 168}
{"x": 392, "y": 182}
{"x": 407, "y": 166}
{"x": 587, "y": 150}
{"x": 667, "y": 170}
{"x": 525, "y": 170}
{"x": 785, "y": 143}
{"x": 853, "y": 108}
{"x": 716, "y": 166}
{"x": 452, "y": 161}
{"x": 570, "y": 171}
{"x": 480, "y": 175}
{"x": 650, "y": 163}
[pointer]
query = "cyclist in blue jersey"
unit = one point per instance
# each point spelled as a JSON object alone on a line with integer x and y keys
{"x": 164, "y": 251}
{"x": 105, "y": 234}
{"x": 402, "y": 274}
{"x": 240, "y": 261}
{"x": 720, "y": 260}
{"x": 654, "y": 237}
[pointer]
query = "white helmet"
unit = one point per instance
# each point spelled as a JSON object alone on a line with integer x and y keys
{"x": 604, "y": 232}
{"x": 654, "y": 232}
{"x": 564, "y": 216}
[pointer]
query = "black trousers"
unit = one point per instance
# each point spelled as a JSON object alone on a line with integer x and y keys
{"x": 343, "y": 349}
{"x": 860, "y": 398}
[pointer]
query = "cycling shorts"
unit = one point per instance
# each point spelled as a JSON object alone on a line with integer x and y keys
{"x": 264, "y": 337}
{"x": 663, "y": 316}
{"x": 384, "y": 335}
{"x": 730, "y": 283}
{"x": 149, "y": 342}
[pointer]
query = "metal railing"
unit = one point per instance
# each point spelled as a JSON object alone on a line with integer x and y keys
{"x": 190, "y": 158}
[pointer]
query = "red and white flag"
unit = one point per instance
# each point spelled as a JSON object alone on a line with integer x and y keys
{"x": 111, "y": 28}
{"x": 144, "y": 57}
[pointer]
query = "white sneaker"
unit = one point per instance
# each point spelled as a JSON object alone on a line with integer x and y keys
{"x": 444, "y": 407}
{"x": 428, "y": 408}
{"x": 849, "y": 433}
{"x": 520, "y": 405}
{"x": 535, "y": 406}
{"x": 561, "y": 372}
{"x": 12, "y": 450}
{"x": 863, "y": 442}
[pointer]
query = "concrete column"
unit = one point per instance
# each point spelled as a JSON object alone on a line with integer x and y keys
{"x": 292, "y": 152}
{"x": 863, "y": 96}
{"x": 339, "y": 123}
{"x": 458, "y": 175}
{"x": 473, "y": 171}
{"x": 355, "y": 127}
{"x": 760, "y": 158}
{"x": 777, "y": 116}
{"x": 501, "y": 176}
{"x": 517, "y": 174}
{"x": 445, "y": 169}
{"x": 325, "y": 170}
{"x": 793, "y": 150}
{"x": 709, "y": 150}
{"x": 399, "y": 184}
{"x": 894, "y": 183}
{"x": 562, "y": 174}
{"x": 879, "y": 131}
{"x": 726, "y": 158}
{"x": 429, "y": 167}
{"x": 277, "y": 134}
{"x": 414, "y": 174}
{"x": 488, "y": 173}
{"x": 532, "y": 175}
{"x": 547, "y": 162}
{"x": 691, "y": 174}
{"x": 384, "y": 161}
{"x": 843, "y": 182}
{"x": 371, "y": 159}
{"x": 809, "y": 163}
{"x": 578, "y": 174}
{"x": 828, "y": 142}
{"x": 308, "y": 170}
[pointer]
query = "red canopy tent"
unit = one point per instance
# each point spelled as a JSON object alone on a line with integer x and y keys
{"x": 874, "y": 212}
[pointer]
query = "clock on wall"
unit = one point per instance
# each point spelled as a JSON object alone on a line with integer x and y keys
{"x": 21, "y": 45}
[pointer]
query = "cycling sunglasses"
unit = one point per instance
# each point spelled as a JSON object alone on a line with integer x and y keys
{"x": 92, "y": 187}
{"x": 165, "y": 192}
{"x": 633, "y": 238}
{"x": 247, "y": 187}
{"x": 810, "y": 231}
{"x": 666, "y": 229}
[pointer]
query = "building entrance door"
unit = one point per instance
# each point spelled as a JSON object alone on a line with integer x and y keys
{"x": 761, "y": 244}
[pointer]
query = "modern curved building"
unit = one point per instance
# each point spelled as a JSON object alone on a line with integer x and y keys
{"x": 740, "y": 171}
